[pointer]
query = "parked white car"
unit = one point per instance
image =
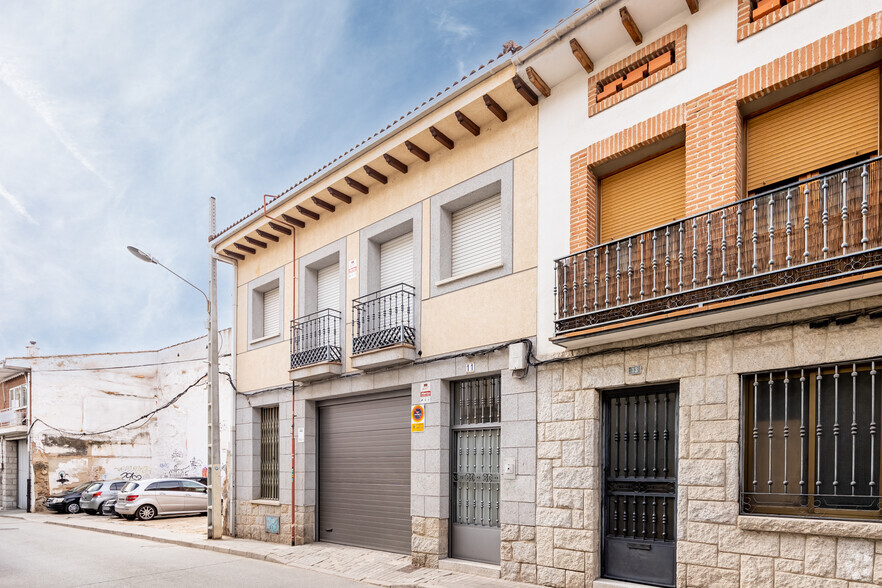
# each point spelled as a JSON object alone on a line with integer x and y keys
{"x": 149, "y": 499}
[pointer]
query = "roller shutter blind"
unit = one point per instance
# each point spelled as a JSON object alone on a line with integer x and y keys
{"x": 396, "y": 261}
{"x": 476, "y": 236}
{"x": 364, "y": 473}
{"x": 822, "y": 129}
{"x": 271, "y": 312}
{"x": 328, "y": 288}
{"x": 647, "y": 195}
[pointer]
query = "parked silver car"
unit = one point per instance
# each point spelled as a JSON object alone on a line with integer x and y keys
{"x": 94, "y": 497}
{"x": 148, "y": 499}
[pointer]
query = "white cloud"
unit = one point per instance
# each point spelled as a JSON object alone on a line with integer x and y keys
{"x": 450, "y": 24}
{"x": 30, "y": 93}
{"x": 16, "y": 204}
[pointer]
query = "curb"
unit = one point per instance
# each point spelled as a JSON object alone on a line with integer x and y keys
{"x": 220, "y": 549}
{"x": 179, "y": 542}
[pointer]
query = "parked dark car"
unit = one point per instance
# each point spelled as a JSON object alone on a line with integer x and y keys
{"x": 68, "y": 501}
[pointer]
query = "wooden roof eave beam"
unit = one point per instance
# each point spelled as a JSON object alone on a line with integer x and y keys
{"x": 268, "y": 236}
{"x": 467, "y": 123}
{"x": 441, "y": 138}
{"x": 245, "y": 248}
{"x": 256, "y": 242}
{"x": 538, "y": 82}
{"x": 233, "y": 254}
{"x": 296, "y": 222}
{"x": 581, "y": 56}
{"x": 280, "y": 229}
{"x": 495, "y": 108}
{"x": 524, "y": 90}
{"x": 630, "y": 25}
{"x": 693, "y": 6}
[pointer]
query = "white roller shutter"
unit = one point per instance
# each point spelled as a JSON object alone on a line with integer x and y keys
{"x": 328, "y": 289}
{"x": 396, "y": 261}
{"x": 271, "y": 312}
{"x": 476, "y": 236}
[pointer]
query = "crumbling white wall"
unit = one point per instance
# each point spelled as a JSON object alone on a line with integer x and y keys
{"x": 75, "y": 397}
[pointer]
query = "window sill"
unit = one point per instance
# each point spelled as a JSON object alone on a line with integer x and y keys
{"x": 805, "y": 526}
{"x": 262, "y": 339}
{"x": 265, "y": 502}
{"x": 474, "y": 272}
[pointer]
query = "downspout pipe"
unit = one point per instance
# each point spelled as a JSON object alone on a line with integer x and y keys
{"x": 267, "y": 198}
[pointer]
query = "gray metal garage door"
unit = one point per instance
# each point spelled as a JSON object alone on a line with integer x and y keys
{"x": 364, "y": 472}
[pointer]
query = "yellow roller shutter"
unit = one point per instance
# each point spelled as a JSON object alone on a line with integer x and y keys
{"x": 822, "y": 129}
{"x": 647, "y": 195}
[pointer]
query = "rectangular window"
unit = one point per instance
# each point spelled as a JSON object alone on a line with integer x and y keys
{"x": 18, "y": 396}
{"x": 396, "y": 261}
{"x": 816, "y": 132}
{"x": 643, "y": 196}
{"x": 812, "y": 442}
{"x": 476, "y": 236}
{"x": 269, "y": 453}
{"x": 328, "y": 288}
{"x": 271, "y": 312}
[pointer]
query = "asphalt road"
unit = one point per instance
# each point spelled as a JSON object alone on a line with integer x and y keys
{"x": 37, "y": 554}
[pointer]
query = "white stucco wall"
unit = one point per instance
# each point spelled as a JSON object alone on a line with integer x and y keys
{"x": 713, "y": 58}
{"x": 89, "y": 393}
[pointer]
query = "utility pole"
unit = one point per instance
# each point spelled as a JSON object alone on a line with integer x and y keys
{"x": 215, "y": 511}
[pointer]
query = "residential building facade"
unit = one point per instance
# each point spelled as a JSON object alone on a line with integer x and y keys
{"x": 709, "y": 329}
{"x": 14, "y": 464}
{"x": 107, "y": 416}
{"x": 386, "y": 308}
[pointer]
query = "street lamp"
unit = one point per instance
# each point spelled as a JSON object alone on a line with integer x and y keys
{"x": 215, "y": 526}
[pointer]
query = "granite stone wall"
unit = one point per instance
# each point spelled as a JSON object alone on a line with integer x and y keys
{"x": 716, "y": 544}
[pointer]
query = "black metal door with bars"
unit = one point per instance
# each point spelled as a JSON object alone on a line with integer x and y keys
{"x": 640, "y": 490}
{"x": 475, "y": 407}
{"x": 811, "y": 441}
{"x": 269, "y": 453}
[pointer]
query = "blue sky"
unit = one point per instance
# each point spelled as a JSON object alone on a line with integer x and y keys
{"x": 119, "y": 119}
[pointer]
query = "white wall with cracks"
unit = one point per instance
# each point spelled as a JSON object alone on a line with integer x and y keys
{"x": 77, "y": 399}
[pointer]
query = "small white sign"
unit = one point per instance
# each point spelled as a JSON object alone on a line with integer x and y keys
{"x": 353, "y": 268}
{"x": 300, "y": 435}
{"x": 470, "y": 368}
{"x": 425, "y": 393}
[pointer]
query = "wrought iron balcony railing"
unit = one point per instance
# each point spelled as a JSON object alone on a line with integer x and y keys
{"x": 14, "y": 417}
{"x": 384, "y": 318}
{"x": 812, "y": 230}
{"x": 315, "y": 338}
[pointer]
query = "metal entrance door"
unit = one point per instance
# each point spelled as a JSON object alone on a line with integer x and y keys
{"x": 640, "y": 490}
{"x": 474, "y": 494}
{"x": 23, "y": 469}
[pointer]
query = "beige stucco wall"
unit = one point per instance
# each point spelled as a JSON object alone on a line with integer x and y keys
{"x": 489, "y": 305}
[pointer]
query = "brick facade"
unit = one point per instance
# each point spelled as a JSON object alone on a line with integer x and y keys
{"x": 747, "y": 26}
{"x": 713, "y": 126}
{"x": 676, "y": 38}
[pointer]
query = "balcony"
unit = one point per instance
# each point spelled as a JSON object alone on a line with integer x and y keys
{"x": 14, "y": 420}
{"x": 315, "y": 346}
{"x": 384, "y": 328}
{"x": 812, "y": 242}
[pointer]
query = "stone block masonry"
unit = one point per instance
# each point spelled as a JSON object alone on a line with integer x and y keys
{"x": 716, "y": 544}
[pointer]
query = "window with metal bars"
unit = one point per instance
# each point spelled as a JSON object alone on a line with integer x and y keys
{"x": 811, "y": 441}
{"x": 476, "y": 444}
{"x": 269, "y": 453}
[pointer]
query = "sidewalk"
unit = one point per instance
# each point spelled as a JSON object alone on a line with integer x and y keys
{"x": 377, "y": 568}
